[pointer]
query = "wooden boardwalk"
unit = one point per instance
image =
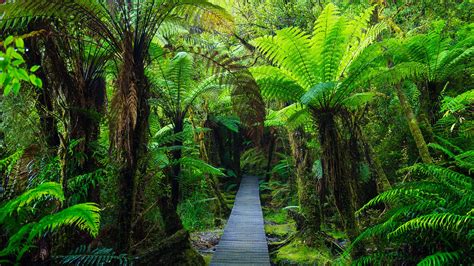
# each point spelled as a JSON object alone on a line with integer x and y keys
{"x": 244, "y": 241}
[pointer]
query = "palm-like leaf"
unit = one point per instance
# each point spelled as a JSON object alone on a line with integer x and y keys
{"x": 313, "y": 67}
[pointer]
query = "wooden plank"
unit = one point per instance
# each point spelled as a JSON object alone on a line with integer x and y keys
{"x": 244, "y": 241}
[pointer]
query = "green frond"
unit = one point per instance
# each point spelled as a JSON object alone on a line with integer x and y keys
{"x": 332, "y": 52}
{"x": 455, "y": 63}
{"x": 275, "y": 84}
{"x": 14, "y": 245}
{"x": 84, "y": 216}
{"x": 319, "y": 95}
{"x": 441, "y": 258}
{"x": 465, "y": 160}
{"x": 179, "y": 72}
{"x": 450, "y": 105}
{"x": 396, "y": 195}
{"x": 357, "y": 47}
{"x": 168, "y": 29}
{"x": 85, "y": 255}
{"x": 381, "y": 230}
{"x": 444, "y": 150}
{"x": 209, "y": 84}
{"x": 400, "y": 72}
{"x": 435, "y": 221}
{"x": 232, "y": 123}
{"x": 201, "y": 166}
{"x": 358, "y": 99}
{"x": 378, "y": 258}
{"x": 325, "y": 23}
{"x": 289, "y": 50}
{"x": 445, "y": 175}
{"x": 292, "y": 116}
{"x": 47, "y": 190}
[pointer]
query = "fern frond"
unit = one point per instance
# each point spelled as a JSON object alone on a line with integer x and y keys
{"x": 200, "y": 166}
{"x": 84, "y": 255}
{"x": 84, "y": 216}
{"x": 435, "y": 221}
{"x": 47, "y": 190}
{"x": 441, "y": 258}
{"x": 446, "y": 175}
{"x": 396, "y": 195}
{"x": 289, "y": 50}
{"x": 359, "y": 99}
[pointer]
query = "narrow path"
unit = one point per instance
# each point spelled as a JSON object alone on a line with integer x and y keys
{"x": 244, "y": 241}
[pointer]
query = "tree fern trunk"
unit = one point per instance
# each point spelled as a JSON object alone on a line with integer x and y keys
{"x": 335, "y": 175}
{"x": 413, "y": 125}
{"x": 306, "y": 182}
{"x": 176, "y": 155}
{"x": 129, "y": 127}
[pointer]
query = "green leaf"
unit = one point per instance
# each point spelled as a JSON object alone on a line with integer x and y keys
{"x": 16, "y": 87}
{"x": 19, "y": 43}
{"x": 3, "y": 77}
{"x": 7, "y": 89}
{"x": 36, "y": 81}
{"x": 23, "y": 74}
{"x": 8, "y": 41}
{"x": 34, "y": 68}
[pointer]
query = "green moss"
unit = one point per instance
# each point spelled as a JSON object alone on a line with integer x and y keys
{"x": 278, "y": 217}
{"x": 280, "y": 230}
{"x": 298, "y": 253}
{"x": 207, "y": 258}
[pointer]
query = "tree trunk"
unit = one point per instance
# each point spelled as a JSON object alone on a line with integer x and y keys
{"x": 44, "y": 104}
{"x": 176, "y": 155}
{"x": 271, "y": 151}
{"x": 306, "y": 183}
{"x": 335, "y": 176}
{"x": 413, "y": 125}
{"x": 129, "y": 127}
{"x": 383, "y": 184}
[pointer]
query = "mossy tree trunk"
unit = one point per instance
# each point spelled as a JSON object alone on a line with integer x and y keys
{"x": 413, "y": 125}
{"x": 306, "y": 181}
{"x": 335, "y": 175}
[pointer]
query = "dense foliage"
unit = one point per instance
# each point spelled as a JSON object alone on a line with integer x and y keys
{"x": 127, "y": 125}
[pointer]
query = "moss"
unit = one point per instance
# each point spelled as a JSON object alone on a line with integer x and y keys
{"x": 278, "y": 217}
{"x": 280, "y": 230}
{"x": 207, "y": 258}
{"x": 298, "y": 253}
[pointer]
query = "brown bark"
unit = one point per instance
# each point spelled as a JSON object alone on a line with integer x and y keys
{"x": 128, "y": 135}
